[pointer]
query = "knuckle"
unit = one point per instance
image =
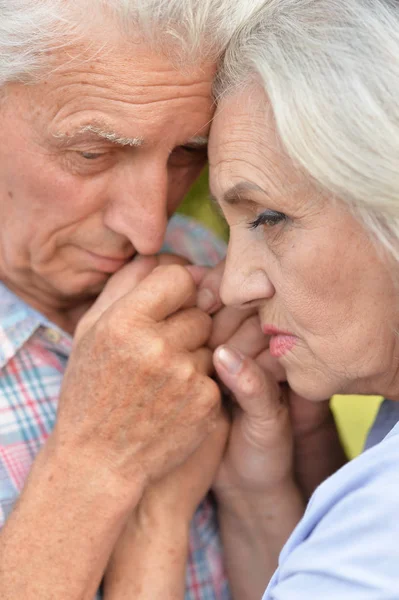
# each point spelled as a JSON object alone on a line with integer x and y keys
{"x": 114, "y": 328}
{"x": 179, "y": 274}
{"x": 156, "y": 351}
{"x": 211, "y": 396}
{"x": 187, "y": 372}
{"x": 203, "y": 320}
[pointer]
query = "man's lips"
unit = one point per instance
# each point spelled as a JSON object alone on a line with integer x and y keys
{"x": 281, "y": 341}
{"x": 107, "y": 264}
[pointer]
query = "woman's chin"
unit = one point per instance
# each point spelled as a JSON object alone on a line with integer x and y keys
{"x": 310, "y": 388}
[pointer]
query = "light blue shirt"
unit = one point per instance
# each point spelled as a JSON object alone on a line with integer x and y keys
{"x": 346, "y": 547}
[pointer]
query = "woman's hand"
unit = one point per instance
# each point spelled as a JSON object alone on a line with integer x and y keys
{"x": 259, "y": 457}
{"x": 280, "y": 447}
{"x": 259, "y": 501}
{"x": 150, "y": 557}
{"x": 317, "y": 451}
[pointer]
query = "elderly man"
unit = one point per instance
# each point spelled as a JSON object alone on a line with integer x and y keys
{"x": 103, "y": 132}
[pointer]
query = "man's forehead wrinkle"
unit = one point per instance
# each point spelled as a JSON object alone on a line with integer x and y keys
{"x": 139, "y": 81}
{"x": 133, "y": 99}
{"x": 64, "y": 95}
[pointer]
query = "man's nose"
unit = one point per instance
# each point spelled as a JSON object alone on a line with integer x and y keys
{"x": 245, "y": 282}
{"x": 137, "y": 206}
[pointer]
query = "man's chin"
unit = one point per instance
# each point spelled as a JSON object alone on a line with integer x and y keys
{"x": 83, "y": 287}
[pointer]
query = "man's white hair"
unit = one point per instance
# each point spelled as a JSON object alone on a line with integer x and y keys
{"x": 330, "y": 69}
{"x": 31, "y": 29}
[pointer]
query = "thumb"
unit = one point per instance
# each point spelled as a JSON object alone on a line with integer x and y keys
{"x": 120, "y": 284}
{"x": 123, "y": 281}
{"x": 256, "y": 391}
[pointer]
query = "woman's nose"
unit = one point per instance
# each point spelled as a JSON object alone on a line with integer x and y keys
{"x": 244, "y": 282}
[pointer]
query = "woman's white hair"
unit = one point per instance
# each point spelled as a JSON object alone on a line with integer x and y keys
{"x": 30, "y": 30}
{"x": 330, "y": 69}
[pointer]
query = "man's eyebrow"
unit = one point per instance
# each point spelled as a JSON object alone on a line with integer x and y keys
{"x": 98, "y": 131}
{"x": 234, "y": 195}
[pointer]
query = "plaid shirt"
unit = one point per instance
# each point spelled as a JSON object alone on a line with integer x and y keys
{"x": 33, "y": 357}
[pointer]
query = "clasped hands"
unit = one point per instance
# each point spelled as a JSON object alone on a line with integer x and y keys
{"x": 149, "y": 355}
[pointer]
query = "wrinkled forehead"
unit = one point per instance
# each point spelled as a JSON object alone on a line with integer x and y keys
{"x": 126, "y": 58}
{"x": 244, "y": 137}
{"x": 129, "y": 85}
{"x": 245, "y": 149}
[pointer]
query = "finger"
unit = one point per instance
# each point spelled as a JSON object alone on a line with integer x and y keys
{"x": 124, "y": 281}
{"x": 249, "y": 339}
{"x": 188, "y": 329}
{"x": 208, "y": 298}
{"x": 129, "y": 276}
{"x": 268, "y": 363}
{"x": 172, "y": 259}
{"x": 121, "y": 283}
{"x": 225, "y": 323}
{"x": 161, "y": 293}
{"x": 195, "y": 271}
{"x": 255, "y": 390}
{"x": 203, "y": 361}
{"x": 198, "y": 273}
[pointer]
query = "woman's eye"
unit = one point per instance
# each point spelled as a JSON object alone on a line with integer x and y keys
{"x": 268, "y": 218}
{"x": 90, "y": 155}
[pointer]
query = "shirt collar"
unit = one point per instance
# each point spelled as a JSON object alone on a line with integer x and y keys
{"x": 18, "y": 322}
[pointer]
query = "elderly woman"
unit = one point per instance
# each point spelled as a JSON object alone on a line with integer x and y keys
{"x": 304, "y": 156}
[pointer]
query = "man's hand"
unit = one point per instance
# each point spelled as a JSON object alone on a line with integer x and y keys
{"x": 136, "y": 401}
{"x": 136, "y": 394}
{"x": 151, "y": 553}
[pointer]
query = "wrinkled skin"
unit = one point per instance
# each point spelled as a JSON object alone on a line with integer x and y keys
{"x": 314, "y": 272}
{"x": 140, "y": 373}
{"x": 85, "y": 205}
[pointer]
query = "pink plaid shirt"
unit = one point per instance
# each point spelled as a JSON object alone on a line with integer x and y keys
{"x": 33, "y": 357}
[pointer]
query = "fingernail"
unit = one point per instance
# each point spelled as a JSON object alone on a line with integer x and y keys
{"x": 206, "y": 300}
{"x": 230, "y": 359}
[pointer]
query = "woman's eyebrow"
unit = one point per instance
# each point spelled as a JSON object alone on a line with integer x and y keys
{"x": 234, "y": 195}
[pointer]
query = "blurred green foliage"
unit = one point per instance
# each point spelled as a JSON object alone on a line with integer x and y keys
{"x": 198, "y": 205}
